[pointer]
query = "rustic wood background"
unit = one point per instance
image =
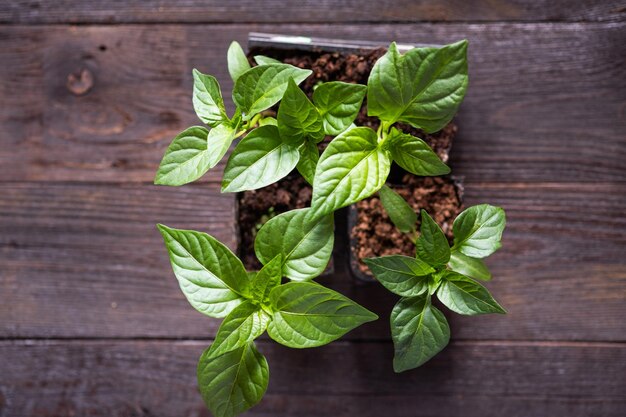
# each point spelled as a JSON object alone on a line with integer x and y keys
{"x": 92, "y": 322}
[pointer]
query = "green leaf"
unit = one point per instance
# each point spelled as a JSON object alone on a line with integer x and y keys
{"x": 305, "y": 245}
{"x": 297, "y": 116}
{"x": 207, "y": 99}
{"x": 414, "y": 155}
{"x": 478, "y": 230}
{"x": 219, "y": 141}
{"x": 265, "y": 60}
{"x": 419, "y": 331}
{"x": 309, "y": 155}
{"x": 244, "y": 324}
{"x": 260, "y": 159}
{"x": 465, "y": 296}
{"x": 471, "y": 267}
{"x": 435, "y": 281}
{"x": 237, "y": 61}
{"x": 186, "y": 159}
{"x": 266, "y": 279}
{"x": 261, "y": 87}
{"x": 233, "y": 382}
{"x": 352, "y": 168}
{"x": 191, "y": 154}
{"x": 432, "y": 245}
{"x": 212, "y": 278}
{"x": 399, "y": 211}
{"x": 424, "y": 87}
{"x": 268, "y": 121}
{"x": 401, "y": 275}
{"x": 339, "y": 104}
{"x": 309, "y": 315}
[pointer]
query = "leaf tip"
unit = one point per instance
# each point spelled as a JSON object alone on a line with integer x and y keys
{"x": 371, "y": 317}
{"x": 226, "y": 186}
{"x": 163, "y": 229}
{"x": 399, "y": 368}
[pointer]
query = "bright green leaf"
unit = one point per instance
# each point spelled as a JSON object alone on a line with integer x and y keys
{"x": 401, "y": 275}
{"x": 305, "y": 245}
{"x": 309, "y": 315}
{"x": 233, "y": 382}
{"x": 191, "y": 154}
{"x": 471, "y": 267}
{"x": 212, "y": 278}
{"x": 207, "y": 99}
{"x": 261, "y": 87}
{"x": 419, "y": 331}
{"x": 244, "y": 324}
{"x": 352, "y": 168}
{"x": 309, "y": 155}
{"x": 297, "y": 116}
{"x": 265, "y": 60}
{"x": 432, "y": 245}
{"x": 260, "y": 159}
{"x": 478, "y": 230}
{"x": 219, "y": 141}
{"x": 237, "y": 61}
{"x": 186, "y": 159}
{"x": 339, "y": 104}
{"x": 414, "y": 155}
{"x": 268, "y": 121}
{"x": 465, "y": 296}
{"x": 266, "y": 279}
{"x": 434, "y": 281}
{"x": 424, "y": 87}
{"x": 399, "y": 211}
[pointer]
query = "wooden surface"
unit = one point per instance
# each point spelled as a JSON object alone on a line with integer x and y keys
{"x": 289, "y": 11}
{"x": 92, "y": 322}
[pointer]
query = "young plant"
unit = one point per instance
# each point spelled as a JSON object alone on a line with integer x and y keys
{"x": 422, "y": 87}
{"x": 418, "y": 329}
{"x": 232, "y": 374}
{"x": 271, "y": 147}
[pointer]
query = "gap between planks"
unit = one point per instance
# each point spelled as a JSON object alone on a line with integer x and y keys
{"x": 30, "y": 341}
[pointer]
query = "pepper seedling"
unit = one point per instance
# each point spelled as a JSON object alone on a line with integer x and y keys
{"x": 418, "y": 329}
{"x": 232, "y": 373}
{"x": 422, "y": 87}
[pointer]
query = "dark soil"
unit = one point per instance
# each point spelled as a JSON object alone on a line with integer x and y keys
{"x": 258, "y": 206}
{"x": 373, "y": 233}
{"x": 293, "y": 192}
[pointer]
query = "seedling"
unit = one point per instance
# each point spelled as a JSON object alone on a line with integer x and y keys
{"x": 423, "y": 88}
{"x": 270, "y": 214}
{"x": 418, "y": 329}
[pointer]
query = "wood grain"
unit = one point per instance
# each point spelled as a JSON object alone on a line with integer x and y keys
{"x": 146, "y": 378}
{"x": 89, "y": 259}
{"x": 85, "y": 260}
{"x": 292, "y": 11}
{"x": 101, "y": 103}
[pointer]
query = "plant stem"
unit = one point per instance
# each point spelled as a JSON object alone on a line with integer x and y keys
{"x": 252, "y": 122}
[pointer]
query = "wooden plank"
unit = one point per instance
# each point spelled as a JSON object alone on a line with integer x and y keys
{"x": 542, "y": 106}
{"x": 91, "y": 252}
{"x": 291, "y": 11}
{"x": 88, "y": 258}
{"x": 104, "y": 378}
